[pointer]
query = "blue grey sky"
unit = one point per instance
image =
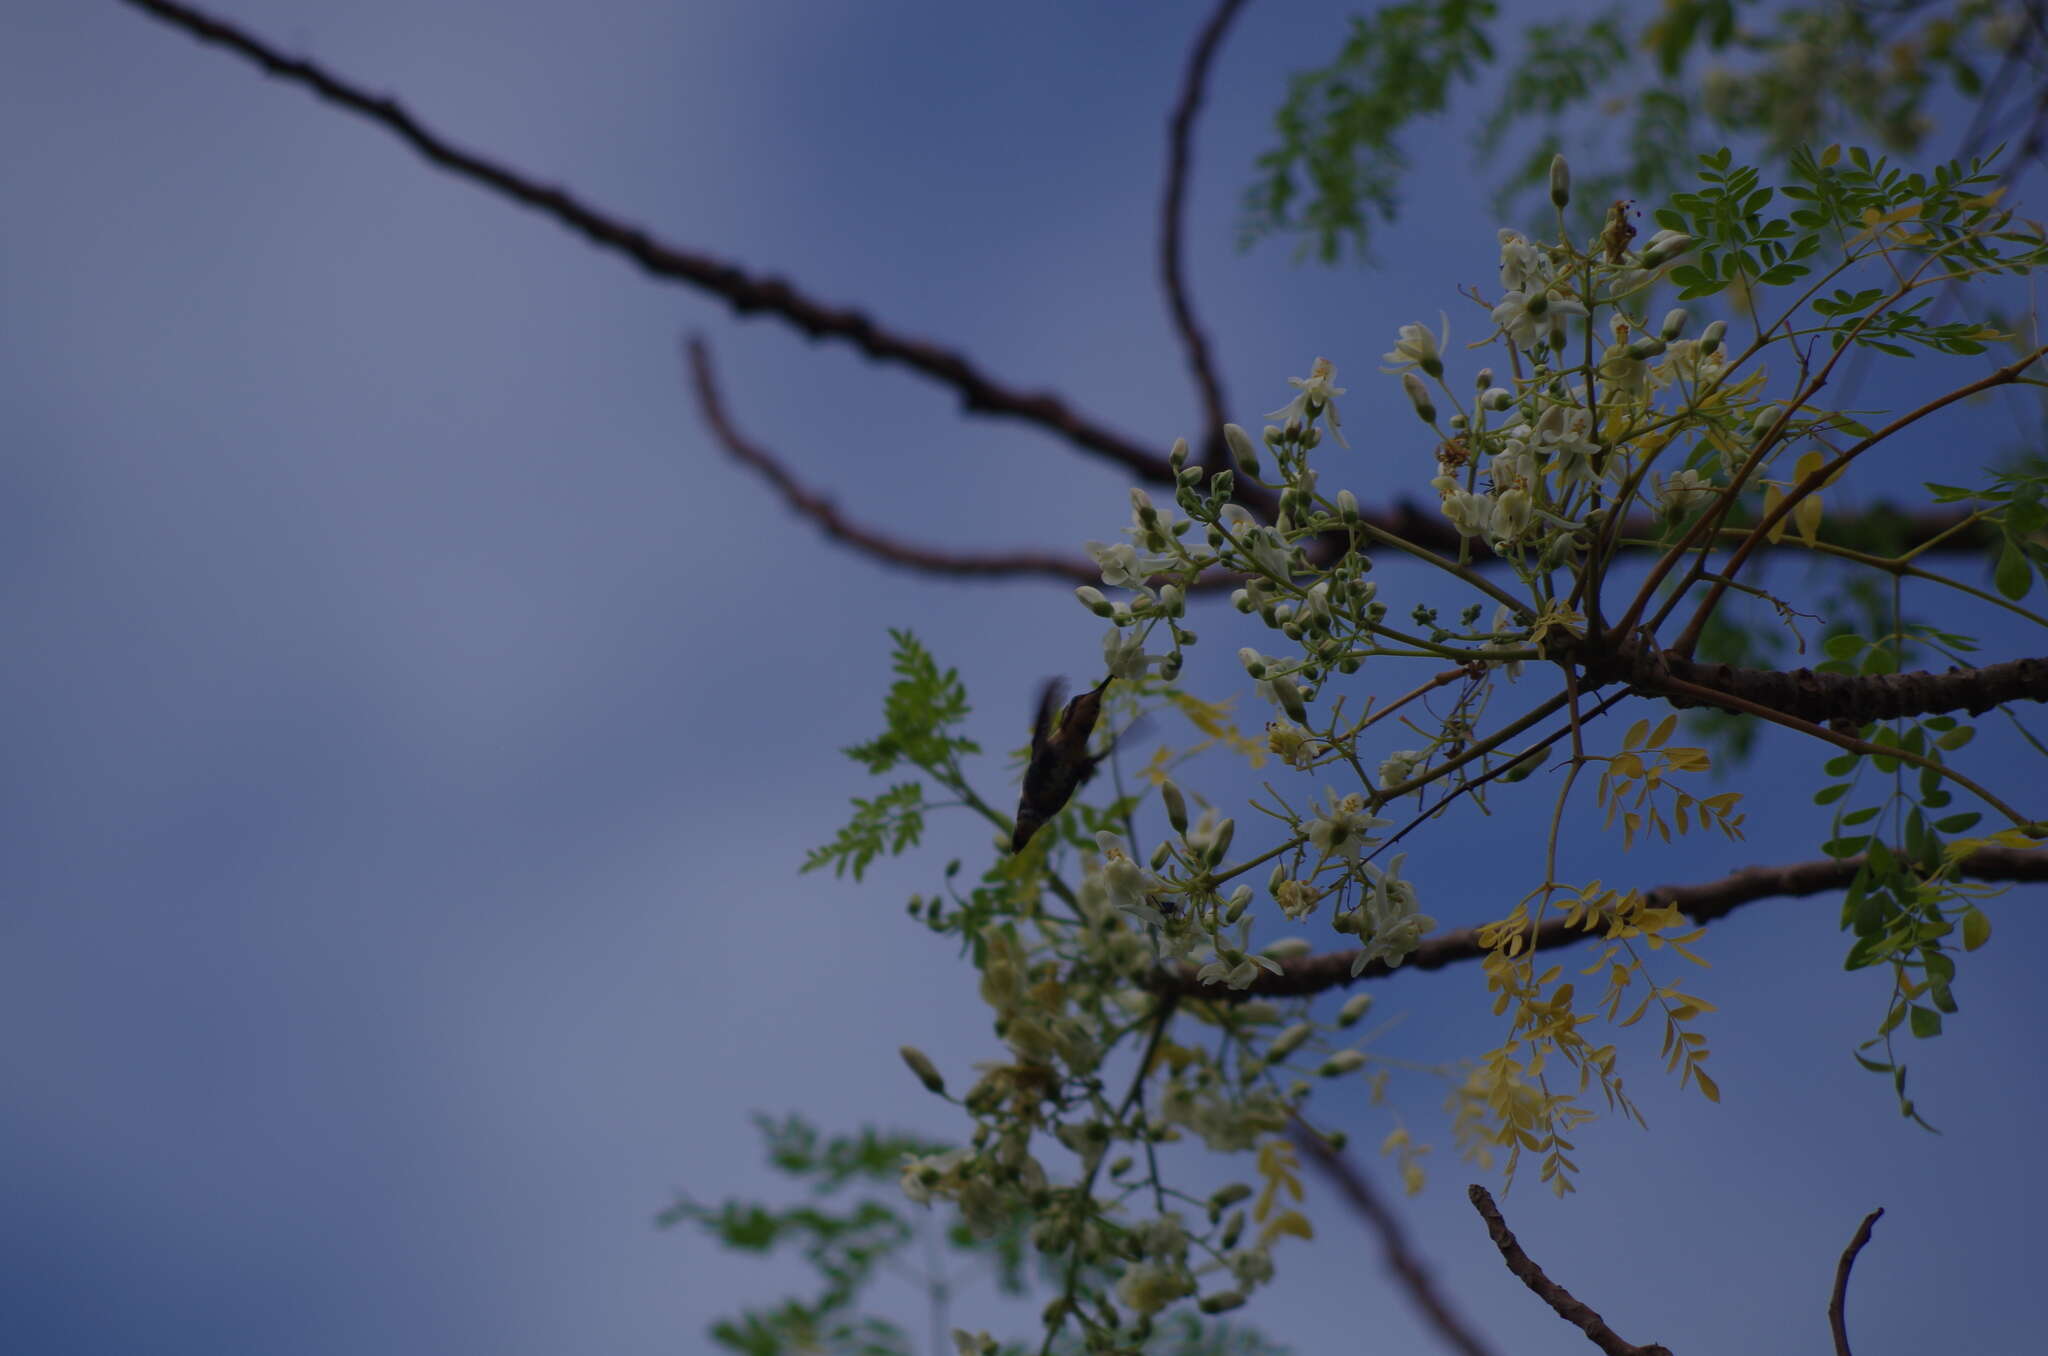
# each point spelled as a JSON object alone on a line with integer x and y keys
{"x": 416, "y": 721}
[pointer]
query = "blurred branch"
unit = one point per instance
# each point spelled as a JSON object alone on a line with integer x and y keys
{"x": 1179, "y": 139}
{"x": 1351, "y": 1183}
{"x": 1570, "y": 1308}
{"x": 1838, "y": 1318}
{"x": 1701, "y": 903}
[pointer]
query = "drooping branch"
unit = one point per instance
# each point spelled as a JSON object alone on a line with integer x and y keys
{"x": 1400, "y": 1255}
{"x": 1838, "y": 1315}
{"x": 1567, "y": 1305}
{"x": 865, "y": 540}
{"x": 1701, "y": 903}
{"x": 1179, "y": 142}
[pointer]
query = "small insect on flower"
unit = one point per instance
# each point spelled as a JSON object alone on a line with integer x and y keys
{"x": 1059, "y": 758}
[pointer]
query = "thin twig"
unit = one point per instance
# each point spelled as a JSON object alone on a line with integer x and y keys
{"x": 1179, "y": 139}
{"x": 1352, "y": 1184}
{"x": 865, "y": 540}
{"x": 1568, "y": 1307}
{"x": 1838, "y": 1318}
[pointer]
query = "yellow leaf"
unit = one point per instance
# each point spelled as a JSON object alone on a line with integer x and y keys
{"x": 1285, "y": 1223}
{"x": 1772, "y": 494}
{"x": 1708, "y": 1087}
{"x": 1831, "y": 155}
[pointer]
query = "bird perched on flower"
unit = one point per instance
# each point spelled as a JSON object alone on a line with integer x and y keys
{"x": 1059, "y": 757}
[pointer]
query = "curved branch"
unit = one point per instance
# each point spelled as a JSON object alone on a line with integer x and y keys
{"x": 867, "y": 541}
{"x": 1702, "y": 903}
{"x": 1568, "y": 1306}
{"x": 1400, "y": 1257}
{"x": 1179, "y": 138}
{"x": 1838, "y": 1316}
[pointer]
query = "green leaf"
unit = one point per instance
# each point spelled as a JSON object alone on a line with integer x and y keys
{"x": 1925, "y": 1022}
{"x": 2012, "y": 576}
{"x": 1976, "y": 928}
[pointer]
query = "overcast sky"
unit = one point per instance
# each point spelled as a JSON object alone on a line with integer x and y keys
{"x": 415, "y": 722}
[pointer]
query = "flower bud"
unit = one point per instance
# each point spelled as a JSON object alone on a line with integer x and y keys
{"x": 1347, "y": 506}
{"x": 1343, "y": 1062}
{"x": 926, "y": 1071}
{"x": 1649, "y": 346}
{"x": 1222, "y": 1302}
{"x": 1179, "y": 456}
{"x": 1290, "y": 700}
{"x": 1176, "y": 806}
{"x": 1187, "y": 477}
{"x": 1254, "y": 663}
{"x": 1418, "y": 396}
{"x": 1223, "y": 1198}
{"x": 1665, "y": 246}
{"x": 1092, "y": 599}
{"x": 1173, "y": 600}
{"x": 1241, "y": 449}
{"x": 1483, "y": 379}
{"x": 1233, "y": 1228}
{"x": 1288, "y": 1041}
{"x": 1222, "y": 484}
{"x": 1354, "y": 1008}
{"x": 1527, "y": 764}
{"x": 1497, "y": 398}
{"x": 1220, "y": 844}
{"x": 1674, "y": 323}
{"x": 1710, "y": 337}
{"x": 1160, "y": 853}
{"x": 1560, "y": 181}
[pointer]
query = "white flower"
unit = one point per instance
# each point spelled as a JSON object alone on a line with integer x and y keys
{"x": 1318, "y": 396}
{"x": 1469, "y": 512}
{"x": 1234, "y": 969}
{"x": 1524, "y": 314}
{"x": 1390, "y": 910}
{"x": 1130, "y": 887}
{"x": 1123, "y": 567}
{"x": 1124, "y": 653}
{"x": 1511, "y": 516}
{"x": 1521, "y": 263}
{"x": 1343, "y": 828}
{"x": 1399, "y": 766}
{"x": 1685, "y": 491}
{"x": 1417, "y": 347}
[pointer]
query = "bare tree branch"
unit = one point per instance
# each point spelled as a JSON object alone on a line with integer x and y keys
{"x": 867, "y": 541}
{"x": 1701, "y": 903}
{"x": 1179, "y": 139}
{"x": 980, "y": 393}
{"x": 1838, "y": 1317}
{"x": 1570, "y": 1308}
{"x": 1352, "y": 1184}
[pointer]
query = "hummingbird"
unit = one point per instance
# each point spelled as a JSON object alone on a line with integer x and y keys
{"x": 1059, "y": 757}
